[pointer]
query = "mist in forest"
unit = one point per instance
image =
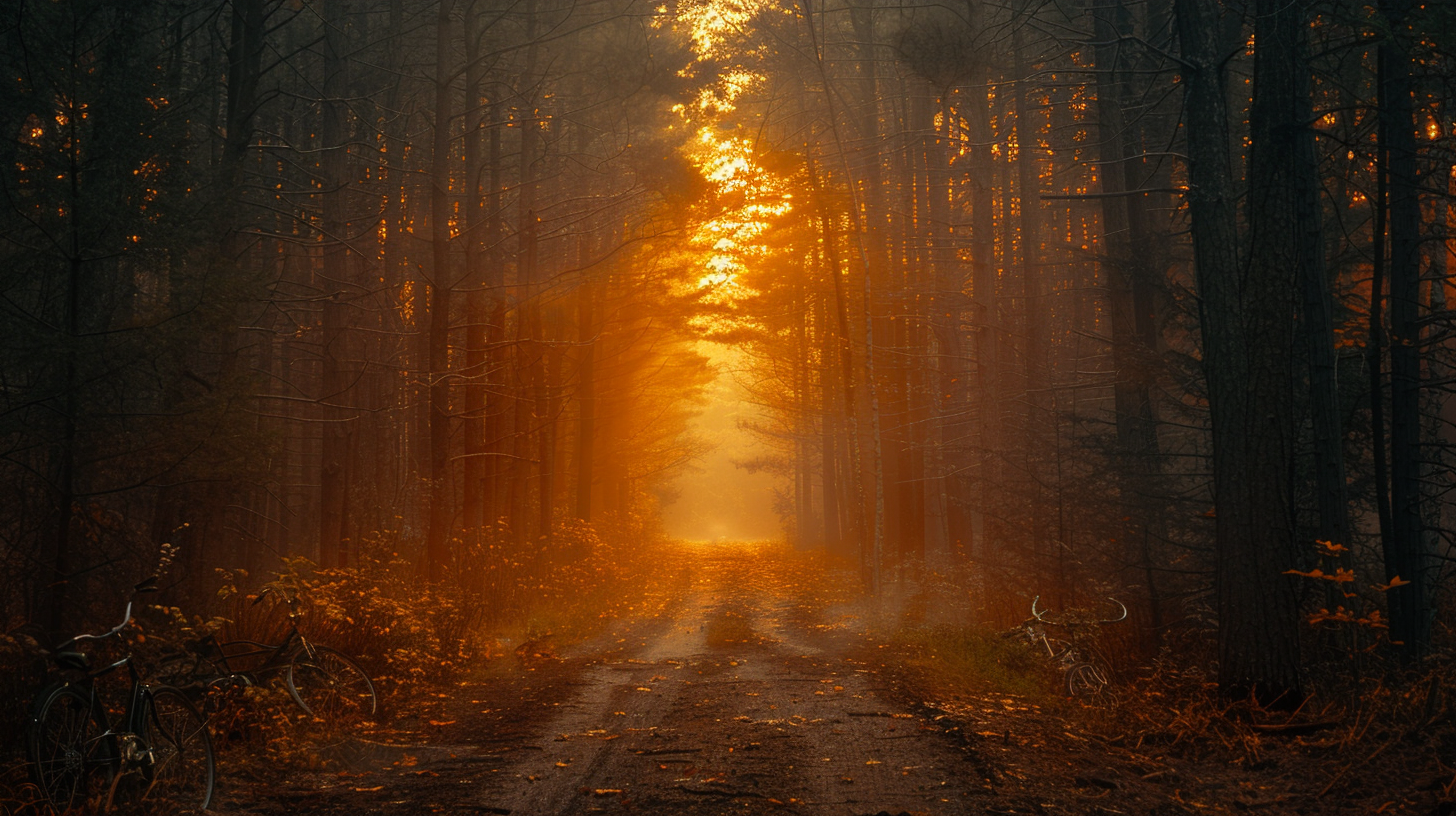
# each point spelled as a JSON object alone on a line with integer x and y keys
{"x": 723, "y": 495}
{"x": 1145, "y": 300}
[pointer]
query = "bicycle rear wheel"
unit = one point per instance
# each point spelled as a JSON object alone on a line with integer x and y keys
{"x": 192, "y": 674}
{"x": 182, "y": 768}
{"x": 331, "y": 687}
{"x": 72, "y": 757}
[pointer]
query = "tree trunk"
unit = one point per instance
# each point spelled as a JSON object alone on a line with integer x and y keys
{"x": 437, "y": 546}
{"x": 1316, "y": 307}
{"x": 985, "y": 305}
{"x": 495, "y": 333}
{"x": 586, "y": 395}
{"x": 946, "y": 502}
{"x": 338, "y": 433}
{"x": 1244, "y": 330}
{"x": 1028, "y": 188}
{"x": 1129, "y": 275}
{"x": 803, "y": 490}
{"x": 867, "y": 220}
{"x": 830, "y": 484}
{"x": 1405, "y": 556}
{"x": 474, "y": 221}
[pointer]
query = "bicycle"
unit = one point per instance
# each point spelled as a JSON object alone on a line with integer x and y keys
{"x": 327, "y": 684}
{"x": 161, "y": 754}
{"x": 1085, "y": 673}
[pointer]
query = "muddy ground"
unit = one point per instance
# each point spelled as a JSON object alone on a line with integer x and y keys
{"x": 748, "y": 696}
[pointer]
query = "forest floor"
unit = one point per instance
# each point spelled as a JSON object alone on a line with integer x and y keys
{"x": 749, "y": 691}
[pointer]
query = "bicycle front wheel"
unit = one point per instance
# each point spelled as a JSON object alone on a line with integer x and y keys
{"x": 1086, "y": 681}
{"x": 72, "y": 756}
{"x": 331, "y": 687}
{"x": 182, "y": 768}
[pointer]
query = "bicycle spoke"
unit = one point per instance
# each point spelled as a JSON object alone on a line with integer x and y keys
{"x": 331, "y": 687}
{"x": 181, "y": 772}
{"x": 67, "y": 748}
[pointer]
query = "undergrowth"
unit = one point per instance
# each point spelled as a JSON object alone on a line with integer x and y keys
{"x": 414, "y": 641}
{"x": 969, "y": 661}
{"x": 1386, "y": 733}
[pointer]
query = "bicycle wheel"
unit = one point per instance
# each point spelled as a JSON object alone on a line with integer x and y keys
{"x": 72, "y": 756}
{"x": 180, "y": 775}
{"x": 1086, "y": 681}
{"x": 331, "y": 686}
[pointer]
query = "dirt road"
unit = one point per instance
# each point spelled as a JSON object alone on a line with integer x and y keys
{"x": 750, "y": 691}
{"x": 742, "y": 699}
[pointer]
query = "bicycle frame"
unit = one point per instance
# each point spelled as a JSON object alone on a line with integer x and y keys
{"x": 153, "y": 736}
{"x": 1038, "y": 636}
{"x": 278, "y": 656}
{"x": 127, "y": 751}
{"x": 1085, "y": 669}
{"x": 309, "y": 669}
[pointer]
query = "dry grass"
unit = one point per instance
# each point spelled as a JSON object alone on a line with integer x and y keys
{"x": 1380, "y": 743}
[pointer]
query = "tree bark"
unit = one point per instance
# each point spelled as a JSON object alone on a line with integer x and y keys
{"x": 984, "y": 464}
{"x": 1405, "y": 555}
{"x": 474, "y": 221}
{"x": 1244, "y": 321}
{"x": 338, "y": 433}
{"x": 948, "y": 501}
{"x": 586, "y": 395}
{"x": 437, "y": 547}
{"x": 1290, "y": 115}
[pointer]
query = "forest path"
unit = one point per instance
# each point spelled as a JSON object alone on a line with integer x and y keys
{"x": 754, "y": 685}
{"x": 749, "y": 696}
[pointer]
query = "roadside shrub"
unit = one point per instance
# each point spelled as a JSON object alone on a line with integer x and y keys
{"x": 377, "y": 613}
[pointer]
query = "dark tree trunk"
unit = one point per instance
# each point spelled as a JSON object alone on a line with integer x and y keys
{"x": 1126, "y": 240}
{"x": 495, "y": 333}
{"x": 475, "y": 220}
{"x": 1405, "y": 555}
{"x": 869, "y": 232}
{"x": 333, "y": 280}
{"x": 856, "y": 539}
{"x": 985, "y": 305}
{"x": 586, "y": 395}
{"x": 948, "y": 303}
{"x": 830, "y": 483}
{"x": 1131, "y": 275}
{"x": 1028, "y": 189}
{"x": 437, "y": 548}
{"x": 1245, "y": 325}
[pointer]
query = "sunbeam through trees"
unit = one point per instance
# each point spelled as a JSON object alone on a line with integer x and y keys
{"x": 430, "y": 331}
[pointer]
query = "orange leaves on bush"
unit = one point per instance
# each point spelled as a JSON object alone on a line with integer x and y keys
{"x": 1342, "y": 615}
{"x": 1340, "y": 575}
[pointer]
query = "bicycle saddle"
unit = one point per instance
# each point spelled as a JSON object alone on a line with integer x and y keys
{"x": 72, "y": 661}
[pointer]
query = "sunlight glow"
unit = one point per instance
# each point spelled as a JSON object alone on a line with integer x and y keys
{"x": 748, "y": 198}
{"x": 753, "y": 199}
{"x": 711, "y": 21}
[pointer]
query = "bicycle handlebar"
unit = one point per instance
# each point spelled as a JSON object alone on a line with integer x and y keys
{"x": 1037, "y": 615}
{"x": 116, "y": 630}
{"x": 148, "y": 585}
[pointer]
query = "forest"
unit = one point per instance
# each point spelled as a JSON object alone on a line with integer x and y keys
{"x": 412, "y": 310}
